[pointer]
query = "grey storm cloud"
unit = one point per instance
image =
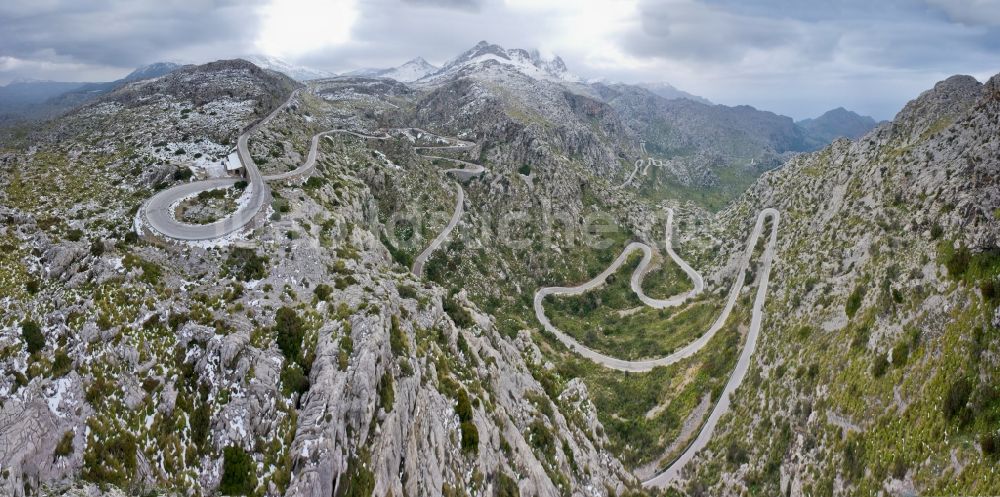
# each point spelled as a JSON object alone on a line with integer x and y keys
{"x": 694, "y": 31}
{"x": 793, "y": 56}
{"x": 122, "y": 33}
{"x": 972, "y": 12}
{"x": 898, "y": 34}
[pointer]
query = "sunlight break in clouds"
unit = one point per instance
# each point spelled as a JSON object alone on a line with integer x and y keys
{"x": 585, "y": 28}
{"x": 291, "y": 28}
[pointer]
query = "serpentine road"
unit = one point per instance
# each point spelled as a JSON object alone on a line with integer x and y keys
{"x": 742, "y": 365}
{"x": 722, "y": 406}
{"x": 159, "y": 210}
{"x": 468, "y": 170}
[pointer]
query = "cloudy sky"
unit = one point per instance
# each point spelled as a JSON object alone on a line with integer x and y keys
{"x": 794, "y": 57}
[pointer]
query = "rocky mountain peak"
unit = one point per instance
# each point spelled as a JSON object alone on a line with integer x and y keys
{"x": 296, "y": 72}
{"x": 528, "y": 62}
{"x": 992, "y": 88}
{"x": 934, "y": 109}
{"x": 235, "y": 78}
{"x": 837, "y": 123}
{"x": 411, "y": 70}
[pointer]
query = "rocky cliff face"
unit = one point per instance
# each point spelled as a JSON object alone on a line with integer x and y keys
{"x": 878, "y": 373}
{"x": 300, "y": 362}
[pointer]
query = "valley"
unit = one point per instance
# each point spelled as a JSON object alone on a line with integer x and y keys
{"x": 491, "y": 277}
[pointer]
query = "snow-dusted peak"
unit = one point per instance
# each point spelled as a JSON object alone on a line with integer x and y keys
{"x": 298, "y": 73}
{"x": 412, "y": 70}
{"x": 528, "y": 62}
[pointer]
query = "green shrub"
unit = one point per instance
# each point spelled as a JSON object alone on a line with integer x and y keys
{"x": 244, "y": 264}
{"x": 524, "y": 170}
{"x": 386, "y": 394}
{"x": 241, "y": 185}
{"x": 897, "y": 296}
{"x": 899, "y": 468}
{"x": 359, "y": 481}
{"x": 110, "y": 458}
{"x": 294, "y": 380}
{"x": 314, "y": 182}
{"x": 397, "y": 339}
{"x": 65, "y": 445}
{"x": 290, "y": 332}
{"x": 32, "y": 286}
{"x": 936, "y": 231}
{"x": 860, "y": 339}
{"x": 900, "y": 352}
{"x": 990, "y": 442}
{"x": 183, "y": 174}
{"x": 958, "y": 262}
{"x": 957, "y": 397}
{"x": 879, "y": 365}
{"x": 344, "y": 282}
{"x": 34, "y": 340}
{"x": 407, "y": 292}
{"x": 346, "y": 349}
{"x": 201, "y": 425}
{"x": 506, "y": 486}
{"x": 74, "y": 235}
{"x": 463, "y": 406}
{"x": 736, "y": 454}
{"x": 854, "y": 301}
{"x": 238, "y": 472}
{"x": 854, "y": 457}
{"x": 151, "y": 271}
{"x": 61, "y": 364}
{"x": 323, "y": 291}
{"x": 97, "y": 247}
{"x": 541, "y": 438}
{"x": 460, "y": 315}
{"x": 470, "y": 437}
{"x": 989, "y": 288}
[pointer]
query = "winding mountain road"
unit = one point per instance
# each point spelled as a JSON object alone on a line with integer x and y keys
{"x": 638, "y": 165}
{"x": 158, "y": 212}
{"x": 467, "y": 171}
{"x": 736, "y": 378}
{"x": 682, "y": 353}
{"x": 742, "y": 365}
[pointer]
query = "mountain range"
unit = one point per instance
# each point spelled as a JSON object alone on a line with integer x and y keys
{"x": 387, "y": 319}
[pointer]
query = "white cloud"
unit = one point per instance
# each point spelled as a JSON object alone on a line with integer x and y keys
{"x": 293, "y": 28}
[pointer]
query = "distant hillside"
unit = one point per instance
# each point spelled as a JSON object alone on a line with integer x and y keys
{"x": 836, "y": 123}
{"x": 669, "y": 91}
{"x": 37, "y": 100}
